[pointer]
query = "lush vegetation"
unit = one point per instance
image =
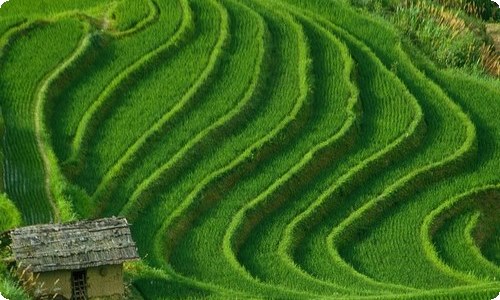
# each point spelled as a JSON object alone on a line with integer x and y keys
{"x": 452, "y": 33}
{"x": 288, "y": 149}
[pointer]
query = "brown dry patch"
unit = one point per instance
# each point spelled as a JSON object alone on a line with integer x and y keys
{"x": 493, "y": 30}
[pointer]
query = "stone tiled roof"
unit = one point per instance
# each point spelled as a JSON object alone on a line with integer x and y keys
{"x": 73, "y": 246}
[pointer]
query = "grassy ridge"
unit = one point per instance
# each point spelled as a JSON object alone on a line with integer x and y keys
{"x": 57, "y": 187}
{"x": 456, "y": 235}
{"x": 463, "y": 182}
{"x": 204, "y": 247}
{"x": 128, "y": 14}
{"x": 186, "y": 100}
{"x": 336, "y": 108}
{"x": 412, "y": 87}
{"x": 114, "y": 96}
{"x": 120, "y": 59}
{"x": 453, "y": 223}
{"x": 371, "y": 153}
{"x": 8, "y": 23}
{"x": 36, "y": 10}
{"x": 25, "y": 180}
{"x": 214, "y": 103}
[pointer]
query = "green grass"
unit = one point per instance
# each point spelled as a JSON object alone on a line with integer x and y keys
{"x": 11, "y": 217}
{"x": 43, "y": 9}
{"x": 206, "y": 64}
{"x": 25, "y": 178}
{"x": 303, "y": 215}
{"x": 285, "y": 149}
{"x": 224, "y": 215}
{"x": 340, "y": 104}
{"x": 215, "y": 115}
{"x": 9, "y": 288}
{"x": 118, "y": 61}
{"x": 456, "y": 247}
{"x": 8, "y": 23}
{"x": 127, "y": 14}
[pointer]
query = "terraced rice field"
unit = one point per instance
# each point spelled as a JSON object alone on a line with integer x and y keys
{"x": 290, "y": 149}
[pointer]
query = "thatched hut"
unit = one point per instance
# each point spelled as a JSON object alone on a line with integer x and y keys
{"x": 80, "y": 260}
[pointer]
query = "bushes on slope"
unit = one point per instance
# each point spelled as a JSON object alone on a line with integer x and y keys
{"x": 10, "y": 216}
{"x": 9, "y": 288}
{"x": 451, "y": 33}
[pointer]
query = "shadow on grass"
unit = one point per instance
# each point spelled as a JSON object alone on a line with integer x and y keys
{"x": 157, "y": 288}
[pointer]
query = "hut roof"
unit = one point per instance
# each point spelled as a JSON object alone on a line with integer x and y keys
{"x": 73, "y": 246}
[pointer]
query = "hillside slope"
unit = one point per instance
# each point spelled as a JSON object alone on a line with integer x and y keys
{"x": 289, "y": 149}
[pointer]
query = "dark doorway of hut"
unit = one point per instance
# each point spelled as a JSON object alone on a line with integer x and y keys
{"x": 79, "y": 282}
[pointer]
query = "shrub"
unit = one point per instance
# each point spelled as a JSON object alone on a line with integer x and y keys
{"x": 9, "y": 288}
{"x": 10, "y": 215}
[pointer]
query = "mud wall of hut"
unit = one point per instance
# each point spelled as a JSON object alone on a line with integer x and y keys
{"x": 52, "y": 283}
{"x": 105, "y": 282}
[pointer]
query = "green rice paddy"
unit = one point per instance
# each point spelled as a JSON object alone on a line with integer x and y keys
{"x": 279, "y": 149}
